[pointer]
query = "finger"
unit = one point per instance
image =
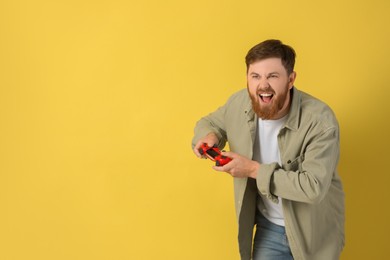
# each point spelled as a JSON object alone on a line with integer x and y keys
{"x": 196, "y": 149}
{"x": 224, "y": 168}
{"x": 196, "y": 152}
{"x": 229, "y": 154}
{"x": 219, "y": 168}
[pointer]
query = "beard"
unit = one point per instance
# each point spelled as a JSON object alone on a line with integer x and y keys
{"x": 268, "y": 111}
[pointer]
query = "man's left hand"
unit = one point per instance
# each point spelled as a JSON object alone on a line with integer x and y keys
{"x": 239, "y": 167}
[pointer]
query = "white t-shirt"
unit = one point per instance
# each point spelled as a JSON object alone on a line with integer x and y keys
{"x": 266, "y": 150}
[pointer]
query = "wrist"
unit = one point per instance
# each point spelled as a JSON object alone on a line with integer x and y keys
{"x": 255, "y": 169}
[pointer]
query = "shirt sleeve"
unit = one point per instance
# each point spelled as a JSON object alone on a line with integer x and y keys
{"x": 308, "y": 177}
{"x": 212, "y": 123}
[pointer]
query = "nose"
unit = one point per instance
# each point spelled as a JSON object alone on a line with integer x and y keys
{"x": 264, "y": 84}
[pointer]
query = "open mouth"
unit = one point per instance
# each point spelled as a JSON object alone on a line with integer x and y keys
{"x": 266, "y": 97}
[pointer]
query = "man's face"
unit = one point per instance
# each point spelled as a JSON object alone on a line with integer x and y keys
{"x": 269, "y": 87}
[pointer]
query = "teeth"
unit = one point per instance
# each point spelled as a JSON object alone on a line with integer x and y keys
{"x": 265, "y": 95}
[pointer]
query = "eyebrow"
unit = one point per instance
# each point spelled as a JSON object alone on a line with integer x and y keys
{"x": 274, "y": 72}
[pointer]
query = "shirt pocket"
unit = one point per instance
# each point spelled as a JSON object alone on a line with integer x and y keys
{"x": 294, "y": 165}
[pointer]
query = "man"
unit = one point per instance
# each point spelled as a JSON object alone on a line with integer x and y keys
{"x": 285, "y": 150}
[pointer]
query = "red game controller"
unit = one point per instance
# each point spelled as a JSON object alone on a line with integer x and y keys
{"x": 214, "y": 154}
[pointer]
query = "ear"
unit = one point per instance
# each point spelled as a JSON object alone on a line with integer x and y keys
{"x": 291, "y": 79}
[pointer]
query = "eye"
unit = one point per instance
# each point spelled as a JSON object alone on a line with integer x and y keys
{"x": 255, "y": 76}
{"x": 273, "y": 76}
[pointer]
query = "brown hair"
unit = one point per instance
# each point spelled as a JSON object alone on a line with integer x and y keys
{"x": 272, "y": 49}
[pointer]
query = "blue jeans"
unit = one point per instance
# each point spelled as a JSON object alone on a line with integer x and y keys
{"x": 270, "y": 241}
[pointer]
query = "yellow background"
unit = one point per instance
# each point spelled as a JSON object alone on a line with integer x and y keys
{"x": 98, "y": 100}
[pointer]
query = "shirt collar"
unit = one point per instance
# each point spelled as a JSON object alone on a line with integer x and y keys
{"x": 295, "y": 111}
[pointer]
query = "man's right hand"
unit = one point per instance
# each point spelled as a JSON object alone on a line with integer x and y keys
{"x": 210, "y": 139}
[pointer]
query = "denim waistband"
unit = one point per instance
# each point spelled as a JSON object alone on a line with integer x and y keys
{"x": 265, "y": 223}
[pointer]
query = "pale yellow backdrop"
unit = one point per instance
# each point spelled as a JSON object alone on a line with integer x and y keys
{"x": 98, "y": 100}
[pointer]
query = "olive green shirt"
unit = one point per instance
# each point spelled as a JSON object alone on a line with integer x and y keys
{"x": 307, "y": 180}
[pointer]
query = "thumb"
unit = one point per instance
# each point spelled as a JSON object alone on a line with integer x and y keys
{"x": 229, "y": 154}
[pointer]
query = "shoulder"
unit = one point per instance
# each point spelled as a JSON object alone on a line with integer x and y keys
{"x": 239, "y": 99}
{"x": 314, "y": 110}
{"x": 240, "y": 95}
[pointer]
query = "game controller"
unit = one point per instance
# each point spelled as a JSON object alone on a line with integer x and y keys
{"x": 214, "y": 154}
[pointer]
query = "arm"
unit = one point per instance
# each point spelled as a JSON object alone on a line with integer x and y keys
{"x": 210, "y": 130}
{"x": 306, "y": 179}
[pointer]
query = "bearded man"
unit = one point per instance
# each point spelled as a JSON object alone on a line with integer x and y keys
{"x": 285, "y": 151}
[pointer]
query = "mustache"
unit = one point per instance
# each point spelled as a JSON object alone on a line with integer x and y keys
{"x": 265, "y": 90}
{"x": 268, "y": 89}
